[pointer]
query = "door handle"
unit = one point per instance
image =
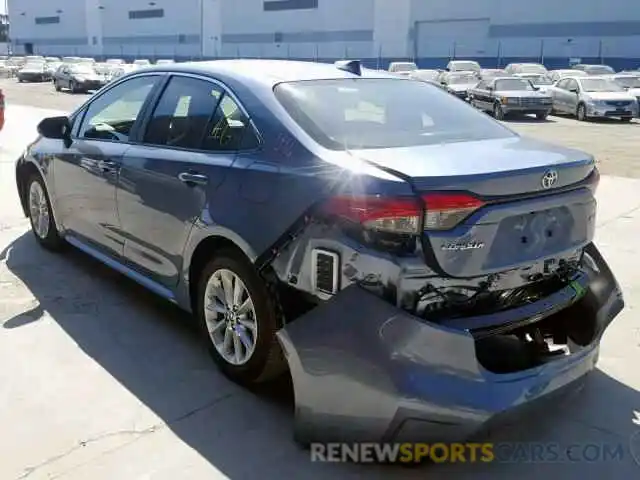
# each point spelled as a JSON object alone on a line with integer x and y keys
{"x": 107, "y": 166}
{"x": 192, "y": 178}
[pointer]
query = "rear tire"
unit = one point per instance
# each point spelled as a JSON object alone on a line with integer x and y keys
{"x": 239, "y": 315}
{"x": 43, "y": 224}
{"x": 625, "y": 119}
{"x": 542, "y": 116}
{"x": 57, "y": 86}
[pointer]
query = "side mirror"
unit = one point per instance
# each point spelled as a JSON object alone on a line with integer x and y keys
{"x": 55, "y": 127}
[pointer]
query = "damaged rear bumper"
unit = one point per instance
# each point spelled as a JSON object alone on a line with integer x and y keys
{"x": 366, "y": 371}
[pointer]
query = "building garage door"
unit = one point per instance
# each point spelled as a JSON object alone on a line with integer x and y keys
{"x": 453, "y": 38}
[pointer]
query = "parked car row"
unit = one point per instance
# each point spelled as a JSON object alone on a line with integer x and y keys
{"x": 586, "y": 91}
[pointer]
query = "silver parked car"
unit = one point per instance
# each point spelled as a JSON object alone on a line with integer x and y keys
{"x": 592, "y": 97}
{"x": 459, "y": 83}
{"x": 426, "y": 75}
{"x": 402, "y": 68}
{"x": 463, "y": 66}
{"x": 514, "y": 68}
{"x": 503, "y": 96}
{"x": 630, "y": 82}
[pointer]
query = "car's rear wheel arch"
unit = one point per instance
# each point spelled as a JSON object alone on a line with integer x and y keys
{"x": 203, "y": 253}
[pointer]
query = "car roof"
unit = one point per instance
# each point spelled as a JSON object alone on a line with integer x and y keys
{"x": 268, "y": 72}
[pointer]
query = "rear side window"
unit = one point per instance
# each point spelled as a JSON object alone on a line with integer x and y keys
{"x": 230, "y": 129}
{"x": 181, "y": 116}
{"x": 344, "y": 114}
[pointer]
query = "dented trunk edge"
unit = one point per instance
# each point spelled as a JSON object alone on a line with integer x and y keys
{"x": 364, "y": 370}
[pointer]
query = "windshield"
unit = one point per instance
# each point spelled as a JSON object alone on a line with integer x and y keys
{"x": 532, "y": 68}
{"x": 539, "y": 79}
{"x": 82, "y": 70}
{"x": 462, "y": 78}
{"x": 513, "y": 84}
{"x": 34, "y": 65}
{"x": 628, "y": 82}
{"x": 383, "y": 113}
{"x": 465, "y": 66}
{"x": 600, "y": 70}
{"x": 600, "y": 85}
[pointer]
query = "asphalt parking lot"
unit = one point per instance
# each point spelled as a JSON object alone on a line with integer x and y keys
{"x": 99, "y": 379}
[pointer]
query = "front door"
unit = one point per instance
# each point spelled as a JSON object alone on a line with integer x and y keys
{"x": 86, "y": 173}
{"x": 166, "y": 181}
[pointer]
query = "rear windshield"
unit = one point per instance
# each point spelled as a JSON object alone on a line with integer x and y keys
{"x": 363, "y": 113}
{"x": 513, "y": 84}
{"x": 465, "y": 66}
{"x": 462, "y": 78}
{"x": 532, "y": 68}
{"x": 600, "y": 70}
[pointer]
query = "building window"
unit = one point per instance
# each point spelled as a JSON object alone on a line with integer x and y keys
{"x": 280, "y": 5}
{"x": 47, "y": 20}
{"x": 141, "y": 14}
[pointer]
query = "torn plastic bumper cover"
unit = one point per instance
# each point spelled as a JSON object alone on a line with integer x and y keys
{"x": 364, "y": 370}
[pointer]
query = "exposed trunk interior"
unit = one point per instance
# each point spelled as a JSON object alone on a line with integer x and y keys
{"x": 533, "y": 345}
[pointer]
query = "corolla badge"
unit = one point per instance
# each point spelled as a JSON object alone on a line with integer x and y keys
{"x": 549, "y": 179}
{"x": 462, "y": 246}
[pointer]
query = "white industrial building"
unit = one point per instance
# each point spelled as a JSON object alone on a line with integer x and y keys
{"x": 430, "y": 31}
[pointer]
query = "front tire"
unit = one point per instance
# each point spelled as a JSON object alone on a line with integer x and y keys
{"x": 239, "y": 316}
{"x": 581, "y": 113}
{"x": 43, "y": 224}
{"x": 498, "y": 112}
{"x": 542, "y": 116}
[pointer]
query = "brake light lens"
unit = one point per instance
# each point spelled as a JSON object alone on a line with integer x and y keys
{"x": 446, "y": 210}
{"x": 404, "y": 215}
{"x": 393, "y": 215}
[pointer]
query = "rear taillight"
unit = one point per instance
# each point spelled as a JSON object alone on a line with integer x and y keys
{"x": 443, "y": 211}
{"x": 394, "y": 215}
{"x": 446, "y": 210}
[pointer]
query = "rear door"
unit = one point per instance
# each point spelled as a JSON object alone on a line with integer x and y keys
{"x": 183, "y": 156}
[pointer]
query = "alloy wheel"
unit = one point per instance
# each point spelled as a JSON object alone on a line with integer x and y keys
{"x": 230, "y": 317}
{"x": 39, "y": 210}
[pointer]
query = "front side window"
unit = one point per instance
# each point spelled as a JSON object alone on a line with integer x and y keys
{"x": 183, "y": 113}
{"x": 112, "y": 115}
{"x": 344, "y": 114}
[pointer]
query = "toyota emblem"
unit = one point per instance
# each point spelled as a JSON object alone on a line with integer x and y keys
{"x": 549, "y": 179}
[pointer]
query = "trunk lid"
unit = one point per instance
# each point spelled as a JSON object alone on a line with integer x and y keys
{"x": 530, "y": 211}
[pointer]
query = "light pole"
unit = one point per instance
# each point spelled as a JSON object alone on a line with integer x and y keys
{"x": 201, "y": 29}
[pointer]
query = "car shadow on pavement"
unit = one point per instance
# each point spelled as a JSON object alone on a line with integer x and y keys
{"x": 152, "y": 350}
